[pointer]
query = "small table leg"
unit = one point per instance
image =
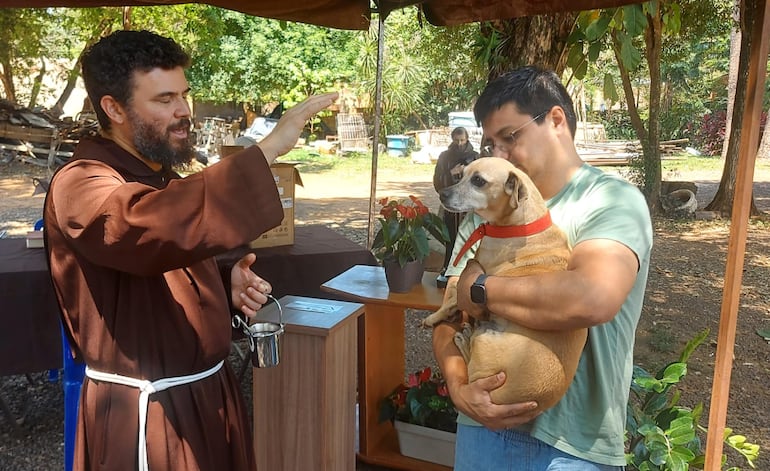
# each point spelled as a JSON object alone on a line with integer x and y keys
{"x": 380, "y": 370}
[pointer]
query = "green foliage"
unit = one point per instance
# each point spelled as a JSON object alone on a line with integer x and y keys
{"x": 617, "y": 124}
{"x": 663, "y": 435}
{"x": 243, "y": 58}
{"x": 23, "y": 33}
{"x": 427, "y": 71}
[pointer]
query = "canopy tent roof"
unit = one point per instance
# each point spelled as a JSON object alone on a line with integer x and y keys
{"x": 355, "y": 14}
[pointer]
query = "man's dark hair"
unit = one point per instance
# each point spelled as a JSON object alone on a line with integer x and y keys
{"x": 109, "y": 65}
{"x": 533, "y": 90}
{"x": 459, "y": 131}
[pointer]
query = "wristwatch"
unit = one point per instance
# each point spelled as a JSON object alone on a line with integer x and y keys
{"x": 478, "y": 290}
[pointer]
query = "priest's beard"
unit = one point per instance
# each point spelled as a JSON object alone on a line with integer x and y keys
{"x": 158, "y": 145}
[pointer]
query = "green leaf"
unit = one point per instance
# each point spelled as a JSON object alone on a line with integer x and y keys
{"x": 659, "y": 457}
{"x": 598, "y": 28}
{"x": 610, "y": 92}
{"x": 634, "y": 20}
{"x": 672, "y": 19}
{"x": 581, "y": 70}
{"x": 575, "y": 56}
{"x": 682, "y": 431}
{"x": 593, "y": 51}
{"x": 693, "y": 344}
{"x": 674, "y": 372}
{"x": 764, "y": 333}
{"x": 750, "y": 451}
{"x": 629, "y": 54}
{"x": 577, "y": 35}
{"x": 650, "y": 430}
{"x": 680, "y": 458}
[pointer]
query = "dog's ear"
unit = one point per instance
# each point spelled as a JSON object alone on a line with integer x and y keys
{"x": 515, "y": 189}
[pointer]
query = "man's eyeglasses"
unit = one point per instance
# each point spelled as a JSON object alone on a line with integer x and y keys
{"x": 510, "y": 140}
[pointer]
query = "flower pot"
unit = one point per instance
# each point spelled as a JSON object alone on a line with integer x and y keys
{"x": 427, "y": 444}
{"x": 402, "y": 279}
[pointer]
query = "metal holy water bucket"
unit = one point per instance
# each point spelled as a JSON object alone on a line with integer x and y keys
{"x": 264, "y": 339}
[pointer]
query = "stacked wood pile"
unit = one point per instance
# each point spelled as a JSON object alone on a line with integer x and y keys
{"x": 622, "y": 152}
{"x": 36, "y": 135}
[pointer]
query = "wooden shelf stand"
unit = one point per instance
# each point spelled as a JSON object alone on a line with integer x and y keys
{"x": 381, "y": 355}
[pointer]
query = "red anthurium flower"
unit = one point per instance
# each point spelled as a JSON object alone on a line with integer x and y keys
{"x": 405, "y": 228}
{"x": 413, "y": 381}
{"x": 425, "y": 375}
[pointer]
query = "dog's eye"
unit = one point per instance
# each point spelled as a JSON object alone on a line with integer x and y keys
{"x": 478, "y": 181}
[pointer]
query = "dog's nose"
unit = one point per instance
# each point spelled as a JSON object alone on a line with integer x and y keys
{"x": 443, "y": 195}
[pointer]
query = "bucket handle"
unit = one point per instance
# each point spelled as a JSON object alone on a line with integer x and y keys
{"x": 239, "y": 323}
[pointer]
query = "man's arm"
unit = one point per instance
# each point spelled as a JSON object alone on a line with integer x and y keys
{"x": 599, "y": 277}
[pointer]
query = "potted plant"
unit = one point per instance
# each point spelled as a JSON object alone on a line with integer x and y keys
{"x": 424, "y": 417}
{"x": 401, "y": 244}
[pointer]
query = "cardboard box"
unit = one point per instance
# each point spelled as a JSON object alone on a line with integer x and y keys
{"x": 286, "y": 177}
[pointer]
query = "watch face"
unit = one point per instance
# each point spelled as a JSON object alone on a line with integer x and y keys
{"x": 478, "y": 294}
{"x": 479, "y": 291}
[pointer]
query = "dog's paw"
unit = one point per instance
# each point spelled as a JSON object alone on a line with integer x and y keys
{"x": 463, "y": 343}
{"x": 467, "y": 330}
{"x": 432, "y": 320}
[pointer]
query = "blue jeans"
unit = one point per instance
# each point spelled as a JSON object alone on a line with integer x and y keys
{"x": 481, "y": 449}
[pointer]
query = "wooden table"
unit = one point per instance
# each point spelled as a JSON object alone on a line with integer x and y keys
{"x": 30, "y": 339}
{"x": 381, "y": 355}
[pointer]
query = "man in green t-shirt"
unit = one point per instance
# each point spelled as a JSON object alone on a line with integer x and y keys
{"x": 528, "y": 119}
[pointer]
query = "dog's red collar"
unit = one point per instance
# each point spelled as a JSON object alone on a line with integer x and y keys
{"x": 503, "y": 232}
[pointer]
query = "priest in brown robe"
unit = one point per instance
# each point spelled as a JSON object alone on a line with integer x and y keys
{"x": 131, "y": 248}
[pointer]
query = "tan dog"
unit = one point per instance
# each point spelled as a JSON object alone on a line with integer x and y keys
{"x": 539, "y": 365}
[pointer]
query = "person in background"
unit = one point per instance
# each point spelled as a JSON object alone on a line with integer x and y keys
{"x": 448, "y": 171}
{"x": 131, "y": 249}
{"x": 528, "y": 118}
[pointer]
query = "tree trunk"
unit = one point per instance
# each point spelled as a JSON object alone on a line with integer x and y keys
{"x": 126, "y": 18}
{"x": 651, "y": 171}
{"x": 533, "y": 40}
{"x": 723, "y": 199}
{"x": 7, "y": 79}
{"x": 732, "y": 78}
{"x": 764, "y": 145}
{"x": 36, "y": 84}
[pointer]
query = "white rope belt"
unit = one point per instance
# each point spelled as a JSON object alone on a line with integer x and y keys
{"x": 146, "y": 388}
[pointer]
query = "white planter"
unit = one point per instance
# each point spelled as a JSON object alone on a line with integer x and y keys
{"x": 425, "y": 443}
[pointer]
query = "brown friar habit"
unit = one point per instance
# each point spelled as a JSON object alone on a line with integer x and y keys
{"x": 131, "y": 256}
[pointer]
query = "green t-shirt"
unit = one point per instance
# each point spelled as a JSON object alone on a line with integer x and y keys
{"x": 589, "y": 421}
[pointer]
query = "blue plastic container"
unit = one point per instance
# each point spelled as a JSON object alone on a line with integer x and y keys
{"x": 397, "y": 144}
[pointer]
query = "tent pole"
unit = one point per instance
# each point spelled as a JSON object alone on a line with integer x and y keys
{"x": 736, "y": 249}
{"x": 377, "y": 120}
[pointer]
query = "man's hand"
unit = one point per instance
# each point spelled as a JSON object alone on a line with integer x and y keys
{"x": 247, "y": 290}
{"x": 285, "y": 134}
{"x": 474, "y": 400}
{"x": 467, "y": 278}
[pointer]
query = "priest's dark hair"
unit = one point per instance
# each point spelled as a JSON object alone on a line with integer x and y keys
{"x": 108, "y": 66}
